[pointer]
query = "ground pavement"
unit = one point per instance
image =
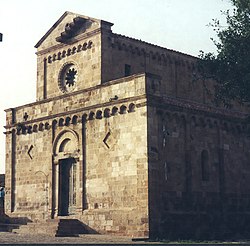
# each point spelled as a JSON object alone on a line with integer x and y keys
{"x": 15, "y": 238}
{"x": 9, "y": 238}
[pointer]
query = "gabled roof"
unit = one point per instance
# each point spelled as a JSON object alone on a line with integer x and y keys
{"x": 51, "y": 29}
{"x": 71, "y": 28}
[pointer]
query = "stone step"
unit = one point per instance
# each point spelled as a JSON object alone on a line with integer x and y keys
{"x": 8, "y": 227}
{"x": 57, "y": 227}
{"x": 8, "y": 224}
{"x": 70, "y": 227}
{"x": 18, "y": 220}
{"x": 37, "y": 228}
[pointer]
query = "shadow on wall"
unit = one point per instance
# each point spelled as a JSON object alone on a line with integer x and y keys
{"x": 212, "y": 217}
{"x": 8, "y": 224}
{"x": 214, "y": 226}
{"x": 2, "y": 193}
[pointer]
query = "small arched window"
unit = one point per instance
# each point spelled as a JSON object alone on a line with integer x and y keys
{"x": 204, "y": 165}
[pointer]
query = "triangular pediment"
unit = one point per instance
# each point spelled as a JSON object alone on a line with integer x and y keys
{"x": 68, "y": 27}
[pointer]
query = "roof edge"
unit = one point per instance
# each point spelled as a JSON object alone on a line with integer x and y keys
{"x": 156, "y": 46}
{"x": 61, "y": 18}
{"x": 51, "y": 29}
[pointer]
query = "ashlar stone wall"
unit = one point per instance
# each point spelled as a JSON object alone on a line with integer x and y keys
{"x": 84, "y": 52}
{"x": 153, "y": 155}
{"x": 117, "y": 174}
{"x": 198, "y": 174}
{"x": 111, "y": 154}
{"x": 178, "y": 72}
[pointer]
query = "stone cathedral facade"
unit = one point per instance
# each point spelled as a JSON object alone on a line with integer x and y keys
{"x": 126, "y": 139}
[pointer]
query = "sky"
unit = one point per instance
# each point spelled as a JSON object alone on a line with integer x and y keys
{"x": 180, "y": 25}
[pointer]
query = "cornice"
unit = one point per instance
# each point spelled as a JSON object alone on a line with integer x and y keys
{"x": 101, "y": 85}
{"x": 73, "y": 41}
{"x": 181, "y": 104}
{"x": 83, "y": 109}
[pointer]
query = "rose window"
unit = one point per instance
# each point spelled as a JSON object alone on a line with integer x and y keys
{"x": 68, "y": 78}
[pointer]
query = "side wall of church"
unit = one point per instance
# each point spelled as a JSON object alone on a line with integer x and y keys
{"x": 198, "y": 175}
{"x": 178, "y": 73}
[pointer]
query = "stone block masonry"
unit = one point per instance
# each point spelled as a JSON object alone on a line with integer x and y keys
{"x": 124, "y": 138}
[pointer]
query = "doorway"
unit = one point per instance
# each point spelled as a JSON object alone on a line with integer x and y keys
{"x": 67, "y": 186}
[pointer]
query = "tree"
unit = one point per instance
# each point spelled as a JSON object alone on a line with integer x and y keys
{"x": 230, "y": 67}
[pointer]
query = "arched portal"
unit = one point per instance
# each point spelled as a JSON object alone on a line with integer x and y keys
{"x": 65, "y": 173}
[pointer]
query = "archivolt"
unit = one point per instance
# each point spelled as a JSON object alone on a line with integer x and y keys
{"x": 67, "y": 141}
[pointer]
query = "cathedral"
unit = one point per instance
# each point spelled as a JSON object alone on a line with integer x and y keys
{"x": 124, "y": 137}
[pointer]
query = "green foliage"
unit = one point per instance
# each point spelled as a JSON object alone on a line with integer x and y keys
{"x": 230, "y": 67}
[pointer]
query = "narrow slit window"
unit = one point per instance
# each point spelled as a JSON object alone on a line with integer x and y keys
{"x": 204, "y": 165}
{"x": 127, "y": 70}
